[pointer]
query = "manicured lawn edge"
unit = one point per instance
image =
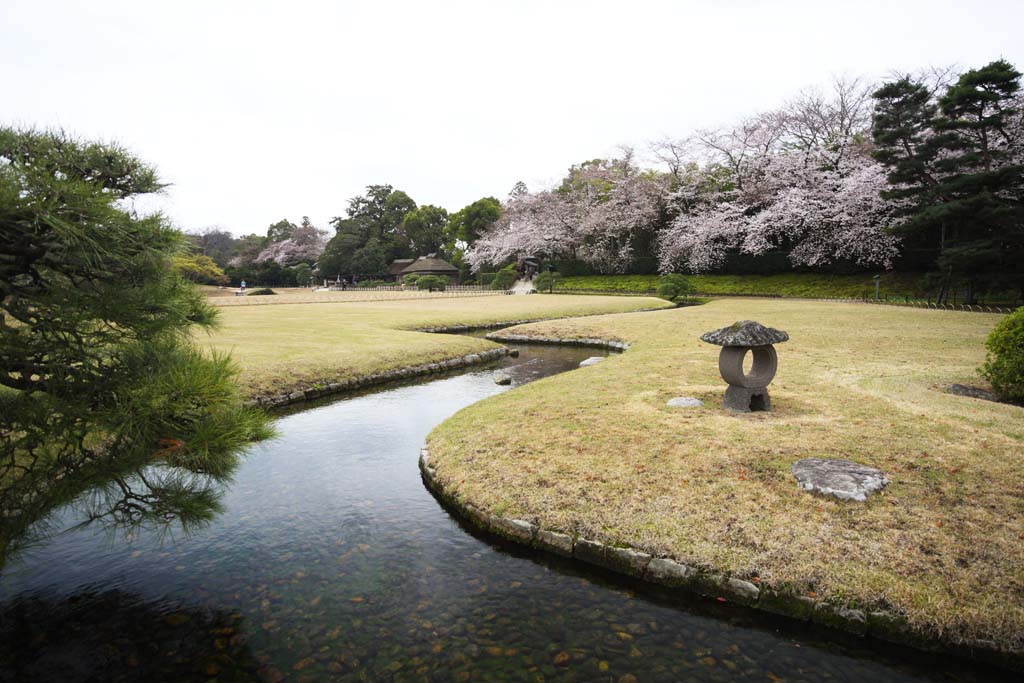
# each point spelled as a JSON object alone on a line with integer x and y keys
{"x": 882, "y": 625}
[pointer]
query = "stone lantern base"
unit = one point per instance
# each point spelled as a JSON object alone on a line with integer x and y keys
{"x": 744, "y": 400}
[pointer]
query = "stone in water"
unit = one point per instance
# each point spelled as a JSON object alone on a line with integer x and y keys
{"x": 593, "y": 360}
{"x": 684, "y": 402}
{"x": 503, "y": 380}
{"x": 841, "y": 479}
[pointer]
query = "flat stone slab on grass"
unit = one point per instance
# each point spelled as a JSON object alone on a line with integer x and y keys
{"x": 841, "y": 479}
{"x": 684, "y": 402}
{"x": 593, "y": 360}
{"x": 972, "y": 392}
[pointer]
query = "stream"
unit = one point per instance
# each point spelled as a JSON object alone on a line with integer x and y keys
{"x": 331, "y": 561}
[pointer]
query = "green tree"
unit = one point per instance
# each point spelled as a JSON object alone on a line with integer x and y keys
{"x": 369, "y": 260}
{"x": 430, "y": 283}
{"x": 303, "y": 272}
{"x": 422, "y": 230}
{"x": 280, "y": 231}
{"x": 468, "y": 223}
{"x": 374, "y": 215}
{"x": 215, "y": 243}
{"x": 948, "y": 161}
{"x": 246, "y": 249}
{"x": 199, "y": 268}
{"x": 504, "y": 278}
{"x": 396, "y": 206}
{"x": 370, "y": 205}
{"x": 1004, "y": 364}
{"x": 410, "y": 279}
{"x": 95, "y": 330}
{"x": 546, "y": 280}
{"x": 673, "y": 286}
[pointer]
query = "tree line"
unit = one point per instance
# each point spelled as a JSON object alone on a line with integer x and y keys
{"x": 924, "y": 172}
{"x": 379, "y": 226}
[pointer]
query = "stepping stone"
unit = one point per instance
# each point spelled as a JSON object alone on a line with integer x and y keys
{"x": 503, "y": 380}
{"x": 593, "y": 360}
{"x": 841, "y": 479}
{"x": 684, "y": 402}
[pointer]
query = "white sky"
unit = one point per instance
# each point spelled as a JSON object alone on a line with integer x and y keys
{"x": 260, "y": 111}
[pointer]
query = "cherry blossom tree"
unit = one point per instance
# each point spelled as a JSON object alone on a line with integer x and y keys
{"x": 304, "y": 245}
{"x": 597, "y": 215}
{"x": 541, "y": 223}
{"x": 800, "y": 178}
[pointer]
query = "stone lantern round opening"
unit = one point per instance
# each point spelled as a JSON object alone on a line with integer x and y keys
{"x": 748, "y": 391}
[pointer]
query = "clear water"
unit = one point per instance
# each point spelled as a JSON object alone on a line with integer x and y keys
{"x": 333, "y": 562}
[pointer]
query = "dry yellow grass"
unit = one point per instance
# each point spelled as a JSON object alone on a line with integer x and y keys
{"x": 597, "y": 452}
{"x": 296, "y": 344}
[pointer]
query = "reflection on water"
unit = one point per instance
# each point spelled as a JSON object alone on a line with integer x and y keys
{"x": 332, "y": 562}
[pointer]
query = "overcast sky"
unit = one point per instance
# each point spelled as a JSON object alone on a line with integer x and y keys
{"x": 260, "y": 111}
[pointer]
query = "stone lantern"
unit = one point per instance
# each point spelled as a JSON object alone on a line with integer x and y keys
{"x": 747, "y": 391}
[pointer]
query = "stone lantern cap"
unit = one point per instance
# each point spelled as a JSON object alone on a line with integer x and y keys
{"x": 745, "y": 333}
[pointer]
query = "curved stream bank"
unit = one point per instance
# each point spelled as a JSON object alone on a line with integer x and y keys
{"x": 331, "y": 561}
{"x": 665, "y": 571}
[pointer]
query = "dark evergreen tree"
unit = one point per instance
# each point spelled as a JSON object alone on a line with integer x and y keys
{"x": 280, "y": 231}
{"x": 982, "y": 187}
{"x": 376, "y": 215}
{"x": 473, "y": 220}
{"x": 100, "y": 377}
{"x": 422, "y": 230}
{"x": 948, "y": 165}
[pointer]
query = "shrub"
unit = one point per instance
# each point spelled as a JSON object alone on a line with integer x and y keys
{"x": 373, "y": 283}
{"x": 303, "y": 272}
{"x": 673, "y": 286}
{"x": 262, "y": 292}
{"x": 546, "y": 280}
{"x": 410, "y": 280}
{"x": 430, "y": 283}
{"x": 1004, "y": 367}
{"x": 504, "y": 278}
{"x": 198, "y": 268}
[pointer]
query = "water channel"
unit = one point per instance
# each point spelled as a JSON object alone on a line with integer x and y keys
{"x": 331, "y": 561}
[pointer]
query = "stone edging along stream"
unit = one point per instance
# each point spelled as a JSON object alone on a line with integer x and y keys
{"x": 883, "y": 625}
{"x": 377, "y": 378}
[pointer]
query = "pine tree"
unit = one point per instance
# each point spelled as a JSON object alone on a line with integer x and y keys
{"x": 100, "y": 378}
{"x": 949, "y": 167}
{"x": 982, "y": 187}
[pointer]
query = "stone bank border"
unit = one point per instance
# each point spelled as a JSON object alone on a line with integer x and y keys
{"x": 528, "y": 339}
{"x": 880, "y": 624}
{"x": 377, "y": 379}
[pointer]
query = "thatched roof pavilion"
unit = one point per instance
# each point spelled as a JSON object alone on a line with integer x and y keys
{"x": 431, "y": 265}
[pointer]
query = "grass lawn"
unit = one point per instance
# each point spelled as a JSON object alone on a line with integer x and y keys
{"x": 808, "y": 285}
{"x": 300, "y": 342}
{"x": 597, "y": 452}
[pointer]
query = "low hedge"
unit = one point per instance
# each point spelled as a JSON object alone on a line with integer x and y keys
{"x": 1004, "y": 367}
{"x": 812, "y": 285}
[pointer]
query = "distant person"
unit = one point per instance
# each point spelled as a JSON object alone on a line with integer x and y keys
{"x": 243, "y": 285}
